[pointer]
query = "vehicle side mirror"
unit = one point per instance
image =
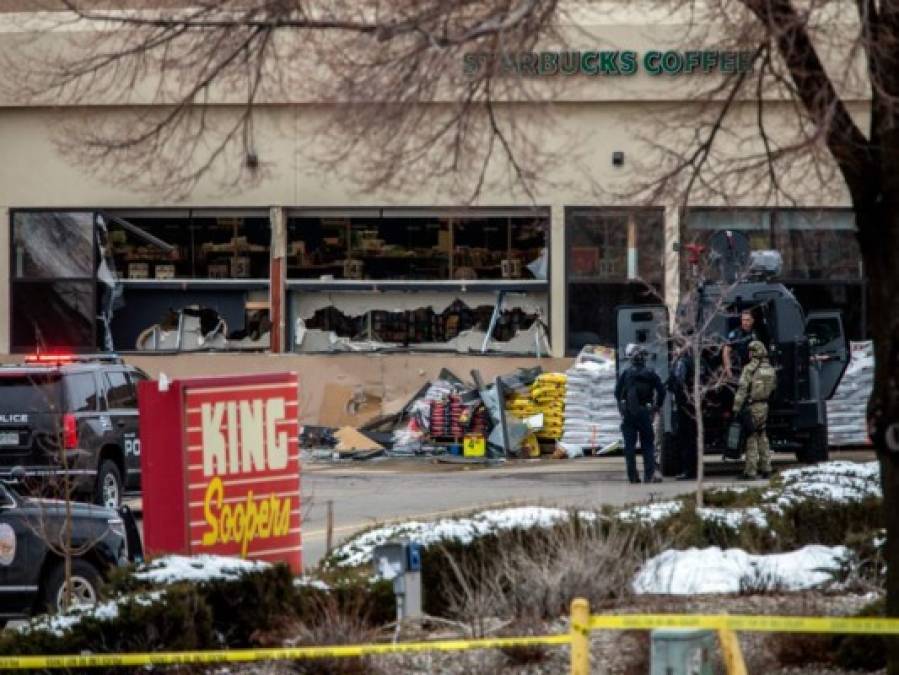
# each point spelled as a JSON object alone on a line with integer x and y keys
{"x": 6, "y": 499}
{"x": 17, "y": 474}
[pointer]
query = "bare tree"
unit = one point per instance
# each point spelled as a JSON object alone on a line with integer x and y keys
{"x": 810, "y": 60}
{"x": 53, "y": 520}
{"x": 693, "y": 337}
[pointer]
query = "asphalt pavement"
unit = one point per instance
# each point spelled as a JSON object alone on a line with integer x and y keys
{"x": 365, "y": 493}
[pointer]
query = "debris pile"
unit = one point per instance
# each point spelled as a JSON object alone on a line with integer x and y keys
{"x": 521, "y": 414}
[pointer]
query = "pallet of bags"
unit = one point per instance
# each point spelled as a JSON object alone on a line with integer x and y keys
{"x": 548, "y": 394}
{"x": 847, "y": 410}
{"x": 591, "y": 415}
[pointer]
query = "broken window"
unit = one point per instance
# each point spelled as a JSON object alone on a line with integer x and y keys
{"x": 53, "y": 289}
{"x": 424, "y": 321}
{"x": 421, "y": 279}
{"x": 140, "y": 280}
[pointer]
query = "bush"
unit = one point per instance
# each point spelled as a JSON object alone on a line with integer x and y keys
{"x": 534, "y": 574}
{"x": 180, "y": 620}
{"x": 263, "y": 607}
{"x": 863, "y": 652}
{"x": 801, "y": 649}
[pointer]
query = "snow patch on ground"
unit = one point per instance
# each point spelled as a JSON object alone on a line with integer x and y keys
{"x": 734, "y": 518}
{"x": 713, "y": 570}
{"x": 650, "y": 514}
{"x": 309, "y": 582}
{"x": 171, "y": 569}
{"x": 830, "y": 481}
{"x": 358, "y": 550}
{"x": 59, "y": 624}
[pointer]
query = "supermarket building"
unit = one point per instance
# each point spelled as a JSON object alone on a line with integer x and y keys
{"x": 372, "y": 293}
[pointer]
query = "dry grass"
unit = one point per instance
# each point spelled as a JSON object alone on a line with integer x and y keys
{"x": 335, "y": 625}
{"x": 534, "y": 576}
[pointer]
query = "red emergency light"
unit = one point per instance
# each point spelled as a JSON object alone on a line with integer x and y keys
{"x": 70, "y": 431}
{"x": 50, "y": 358}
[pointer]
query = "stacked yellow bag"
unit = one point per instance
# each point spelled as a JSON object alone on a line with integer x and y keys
{"x": 521, "y": 406}
{"x": 548, "y": 393}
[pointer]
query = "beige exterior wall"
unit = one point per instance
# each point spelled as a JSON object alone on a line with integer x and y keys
{"x": 588, "y": 120}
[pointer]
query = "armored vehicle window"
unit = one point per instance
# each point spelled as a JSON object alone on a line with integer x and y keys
{"x": 31, "y": 393}
{"x": 82, "y": 392}
{"x": 823, "y": 330}
{"x": 120, "y": 393}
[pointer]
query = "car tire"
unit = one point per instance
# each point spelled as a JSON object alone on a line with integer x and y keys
{"x": 109, "y": 488}
{"x": 670, "y": 456}
{"x": 85, "y": 579}
{"x": 815, "y": 449}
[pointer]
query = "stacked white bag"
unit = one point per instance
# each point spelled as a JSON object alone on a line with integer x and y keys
{"x": 846, "y": 411}
{"x": 591, "y": 414}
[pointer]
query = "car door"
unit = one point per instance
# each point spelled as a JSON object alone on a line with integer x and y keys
{"x": 121, "y": 402}
{"x": 20, "y": 553}
{"x": 645, "y": 326}
{"x": 829, "y": 349}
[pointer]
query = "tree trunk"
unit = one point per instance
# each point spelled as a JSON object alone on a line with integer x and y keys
{"x": 696, "y": 348}
{"x": 879, "y": 237}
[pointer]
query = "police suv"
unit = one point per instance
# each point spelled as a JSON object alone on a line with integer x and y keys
{"x": 33, "y": 535}
{"x": 69, "y": 426}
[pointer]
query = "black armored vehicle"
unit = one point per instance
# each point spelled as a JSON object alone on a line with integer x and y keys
{"x": 809, "y": 350}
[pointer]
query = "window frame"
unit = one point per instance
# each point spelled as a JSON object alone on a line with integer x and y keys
{"x": 623, "y": 282}
{"x": 16, "y": 283}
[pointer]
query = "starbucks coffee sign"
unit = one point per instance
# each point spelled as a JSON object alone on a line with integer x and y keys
{"x": 607, "y": 63}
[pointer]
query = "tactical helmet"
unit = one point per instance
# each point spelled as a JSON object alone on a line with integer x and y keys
{"x": 757, "y": 350}
{"x": 638, "y": 355}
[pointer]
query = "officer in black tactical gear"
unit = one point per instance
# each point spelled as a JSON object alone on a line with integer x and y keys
{"x": 736, "y": 350}
{"x": 640, "y": 394}
{"x": 680, "y": 384}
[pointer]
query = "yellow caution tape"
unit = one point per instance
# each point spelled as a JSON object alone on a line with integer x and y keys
{"x": 278, "y": 654}
{"x": 770, "y": 624}
{"x": 755, "y": 624}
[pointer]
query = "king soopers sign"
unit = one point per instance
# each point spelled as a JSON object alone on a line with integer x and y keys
{"x": 221, "y": 469}
{"x": 606, "y": 62}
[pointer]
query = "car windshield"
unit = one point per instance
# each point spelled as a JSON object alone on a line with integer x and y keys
{"x": 30, "y": 392}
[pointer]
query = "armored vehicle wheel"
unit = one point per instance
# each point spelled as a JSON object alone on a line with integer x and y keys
{"x": 670, "y": 463}
{"x": 814, "y": 449}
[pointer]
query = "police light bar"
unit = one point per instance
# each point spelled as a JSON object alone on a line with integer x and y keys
{"x": 50, "y": 358}
{"x": 63, "y": 359}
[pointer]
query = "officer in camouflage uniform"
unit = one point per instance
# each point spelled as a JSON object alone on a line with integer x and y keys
{"x": 757, "y": 382}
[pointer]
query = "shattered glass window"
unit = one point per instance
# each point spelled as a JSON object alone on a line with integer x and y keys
{"x": 52, "y": 245}
{"x": 53, "y": 286}
{"x": 53, "y": 315}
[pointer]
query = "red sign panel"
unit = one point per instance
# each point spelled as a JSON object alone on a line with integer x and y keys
{"x": 226, "y": 478}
